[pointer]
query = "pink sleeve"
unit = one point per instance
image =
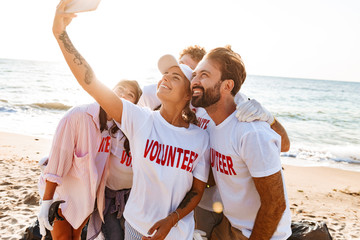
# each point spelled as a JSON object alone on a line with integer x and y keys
{"x": 62, "y": 150}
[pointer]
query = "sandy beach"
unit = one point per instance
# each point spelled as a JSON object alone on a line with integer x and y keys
{"x": 315, "y": 193}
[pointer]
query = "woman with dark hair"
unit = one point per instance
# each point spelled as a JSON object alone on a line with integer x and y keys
{"x": 170, "y": 153}
{"x": 74, "y": 172}
{"x": 108, "y": 216}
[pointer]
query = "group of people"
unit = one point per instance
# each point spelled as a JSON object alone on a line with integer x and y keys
{"x": 150, "y": 163}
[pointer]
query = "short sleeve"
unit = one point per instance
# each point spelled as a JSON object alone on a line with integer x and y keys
{"x": 202, "y": 168}
{"x": 133, "y": 118}
{"x": 62, "y": 150}
{"x": 148, "y": 97}
{"x": 260, "y": 151}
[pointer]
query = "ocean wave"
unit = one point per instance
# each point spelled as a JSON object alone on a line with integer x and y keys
{"x": 345, "y": 154}
{"x": 6, "y": 109}
{"x": 52, "y": 105}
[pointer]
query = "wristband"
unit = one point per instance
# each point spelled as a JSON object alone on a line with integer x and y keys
{"x": 178, "y": 218}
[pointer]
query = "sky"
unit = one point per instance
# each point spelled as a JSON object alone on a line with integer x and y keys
{"x": 318, "y": 39}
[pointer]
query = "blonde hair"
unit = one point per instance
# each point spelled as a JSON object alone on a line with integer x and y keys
{"x": 196, "y": 52}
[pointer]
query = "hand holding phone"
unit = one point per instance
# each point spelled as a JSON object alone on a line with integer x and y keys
{"x": 76, "y": 6}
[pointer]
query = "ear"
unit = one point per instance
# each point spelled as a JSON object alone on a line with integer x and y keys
{"x": 228, "y": 85}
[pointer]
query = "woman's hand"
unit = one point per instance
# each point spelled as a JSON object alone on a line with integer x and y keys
{"x": 62, "y": 19}
{"x": 162, "y": 228}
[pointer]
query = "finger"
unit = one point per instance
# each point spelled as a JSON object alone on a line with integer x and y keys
{"x": 47, "y": 225}
{"x": 245, "y": 107}
{"x": 59, "y": 4}
{"x": 157, "y": 236}
{"x": 42, "y": 229}
{"x": 253, "y": 118}
{"x": 202, "y": 233}
{"x": 67, "y": 15}
{"x": 62, "y": 5}
{"x": 245, "y": 112}
{"x": 153, "y": 228}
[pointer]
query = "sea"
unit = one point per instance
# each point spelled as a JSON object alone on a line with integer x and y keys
{"x": 321, "y": 117}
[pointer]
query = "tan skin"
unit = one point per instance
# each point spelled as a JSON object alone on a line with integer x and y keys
{"x": 173, "y": 91}
{"x": 270, "y": 188}
{"x": 276, "y": 126}
{"x": 62, "y": 229}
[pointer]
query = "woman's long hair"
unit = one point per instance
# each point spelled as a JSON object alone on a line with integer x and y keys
{"x": 114, "y": 128}
{"x": 189, "y": 115}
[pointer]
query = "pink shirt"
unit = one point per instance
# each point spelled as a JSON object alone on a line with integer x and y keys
{"x": 77, "y": 160}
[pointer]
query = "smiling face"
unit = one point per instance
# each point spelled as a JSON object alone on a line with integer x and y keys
{"x": 126, "y": 91}
{"x": 206, "y": 84}
{"x": 173, "y": 86}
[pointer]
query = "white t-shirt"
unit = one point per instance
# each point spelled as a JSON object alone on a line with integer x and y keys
{"x": 148, "y": 97}
{"x": 165, "y": 160}
{"x": 211, "y": 195}
{"x": 240, "y": 151}
{"x": 120, "y": 168}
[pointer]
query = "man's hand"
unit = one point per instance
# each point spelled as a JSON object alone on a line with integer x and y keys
{"x": 43, "y": 216}
{"x": 249, "y": 111}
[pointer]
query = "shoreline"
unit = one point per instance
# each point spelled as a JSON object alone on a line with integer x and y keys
{"x": 324, "y": 194}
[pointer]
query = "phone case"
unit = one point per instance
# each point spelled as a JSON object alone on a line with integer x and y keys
{"x": 77, "y": 6}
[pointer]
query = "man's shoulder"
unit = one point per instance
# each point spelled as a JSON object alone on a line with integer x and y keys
{"x": 255, "y": 127}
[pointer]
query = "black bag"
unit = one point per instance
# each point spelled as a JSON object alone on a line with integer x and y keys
{"x": 33, "y": 232}
{"x": 307, "y": 230}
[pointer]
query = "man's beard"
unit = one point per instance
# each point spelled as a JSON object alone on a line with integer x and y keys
{"x": 210, "y": 96}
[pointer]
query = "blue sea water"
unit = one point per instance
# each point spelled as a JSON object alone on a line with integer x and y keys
{"x": 322, "y": 117}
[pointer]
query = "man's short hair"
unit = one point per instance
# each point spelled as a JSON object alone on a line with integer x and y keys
{"x": 230, "y": 64}
{"x": 196, "y": 52}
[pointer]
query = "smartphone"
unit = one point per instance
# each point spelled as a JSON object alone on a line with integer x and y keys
{"x": 77, "y": 6}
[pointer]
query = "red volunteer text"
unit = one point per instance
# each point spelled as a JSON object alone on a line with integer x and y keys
{"x": 125, "y": 159}
{"x": 166, "y": 155}
{"x": 105, "y": 144}
{"x": 224, "y": 164}
{"x": 203, "y": 122}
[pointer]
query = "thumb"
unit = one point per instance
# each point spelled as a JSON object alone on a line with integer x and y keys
{"x": 153, "y": 228}
{"x": 42, "y": 228}
{"x": 48, "y": 225}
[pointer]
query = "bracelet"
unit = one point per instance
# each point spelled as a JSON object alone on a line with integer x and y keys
{"x": 178, "y": 217}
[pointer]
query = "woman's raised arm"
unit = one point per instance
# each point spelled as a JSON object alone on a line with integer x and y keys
{"x": 81, "y": 69}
